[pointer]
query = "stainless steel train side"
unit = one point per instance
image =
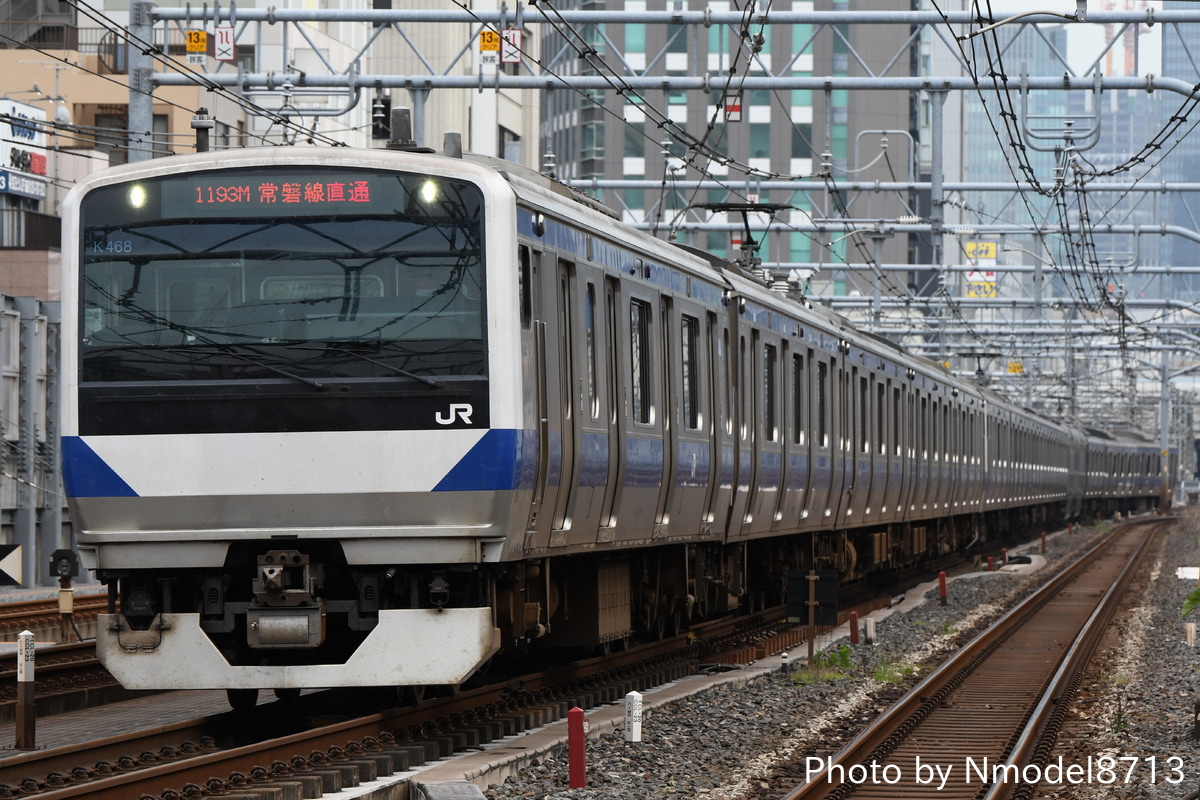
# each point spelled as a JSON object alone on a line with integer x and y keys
{"x": 633, "y": 436}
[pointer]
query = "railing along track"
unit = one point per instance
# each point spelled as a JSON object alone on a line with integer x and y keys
{"x": 999, "y": 700}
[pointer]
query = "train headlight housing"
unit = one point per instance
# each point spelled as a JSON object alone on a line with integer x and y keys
{"x": 429, "y": 192}
{"x": 137, "y": 196}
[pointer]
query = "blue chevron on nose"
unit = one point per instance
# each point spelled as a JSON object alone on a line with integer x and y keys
{"x": 86, "y": 474}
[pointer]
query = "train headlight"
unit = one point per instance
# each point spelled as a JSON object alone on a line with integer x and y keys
{"x": 429, "y": 192}
{"x": 137, "y": 196}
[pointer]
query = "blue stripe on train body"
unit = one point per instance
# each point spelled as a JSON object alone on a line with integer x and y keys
{"x": 503, "y": 460}
{"x": 693, "y": 465}
{"x": 593, "y": 460}
{"x": 85, "y": 474}
{"x": 770, "y": 470}
{"x": 643, "y": 462}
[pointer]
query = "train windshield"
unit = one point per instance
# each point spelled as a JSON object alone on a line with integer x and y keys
{"x": 306, "y": 272}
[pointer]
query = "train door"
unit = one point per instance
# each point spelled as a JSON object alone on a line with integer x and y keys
{"x": 667, "y": 391}
{"x": 564, "y": 420}
{"x": 819, "y": 503}
{"x": 924, "y": 471}
{"x": 879, "y": 448}
{"x": 767, "y": 422}
{"x": 893, "y": 492}
{"x": 909, "y": 453}
{"x": 794, "y": 486}
{"x": 638, "y": 503}
{"x": 720, "y": 501}
{"x": 615, "y": 420}
{"x": 940, "y": 448}
{"x": 987, "y": 467}
{"x": 950, "y": 449}
{"x": 849, "y": 407}
{"x": 744, "y": 428}
{"x": 545, "y": 398}
{"x": 691, "y": 478}
{"x": 593, "y": 446}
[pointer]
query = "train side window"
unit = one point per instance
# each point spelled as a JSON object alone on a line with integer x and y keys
{"x": 770, "y": 368}
{"x": 822, "y": 389}
{"x": 590, "y": 322}
{"x": 525, "y": 284}
{"x": 639, "y": 354}
{"x": 798, "y": 398}
{"x": 689, "y": 343}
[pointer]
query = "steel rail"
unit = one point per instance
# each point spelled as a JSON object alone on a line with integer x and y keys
{"x": 532, "y": 699}
{"x": 1033, "y": 744}
{"x": 886, "y": 733}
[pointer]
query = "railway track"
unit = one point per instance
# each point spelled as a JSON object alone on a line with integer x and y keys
{"x": 43, "y": 618}
{"x": 973, "y": 728}
{"x": 278, "y": 744}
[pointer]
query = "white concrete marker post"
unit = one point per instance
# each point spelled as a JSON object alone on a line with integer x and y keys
{"x": 633, "y": 717}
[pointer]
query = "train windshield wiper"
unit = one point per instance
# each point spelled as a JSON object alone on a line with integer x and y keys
{"x": 223, "y": 349}
{"x": 271, "y": 367}
{"x": 436, "y": 384}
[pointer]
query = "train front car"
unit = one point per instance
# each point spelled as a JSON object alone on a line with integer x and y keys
{"x": 282, "y": 449}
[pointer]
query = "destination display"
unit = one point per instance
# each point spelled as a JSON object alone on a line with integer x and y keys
{"x": 304, "y": 192}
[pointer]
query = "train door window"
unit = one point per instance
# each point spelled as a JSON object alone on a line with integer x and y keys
{"x": 845, "y": 401}
{"x": 929, "y": 432}
{"x": 864, "y": 416}
{"x": 896, "y": 420}
{"x": 743, "y": 390}
{"x": 589, "y": 314}
{"x": 970, "y": 448}
{"x": 770, "y": 412}
{"x": 667, "y": 350}
{"x": 525, "y": 285}
{"x": 822, "y": 404}
{"x": 610, "y": 303}
{"x": 639, "y": 360}
{"x": 564, "y": 325}
{"x": 910, "y": 413}
{"x": 798, "y": 404}
{"x": 727, "y": 410}
{"x": 689, "y": 343}
{"x": 947, "y": 446}
{"x": 964, "y": 439}
{"x": 923, "y": 421}
{"x": 880, "y": 418}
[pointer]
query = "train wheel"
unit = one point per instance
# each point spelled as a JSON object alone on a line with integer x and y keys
{"x": 242, "y": 699}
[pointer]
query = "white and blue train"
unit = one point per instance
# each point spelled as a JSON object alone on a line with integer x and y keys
{"x": 339, "y": 417}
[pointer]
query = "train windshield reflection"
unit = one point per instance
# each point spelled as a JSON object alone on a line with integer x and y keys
{"x": 393, "y": 289}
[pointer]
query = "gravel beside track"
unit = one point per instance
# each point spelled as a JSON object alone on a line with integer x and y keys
{"x": 724, "y": 743}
